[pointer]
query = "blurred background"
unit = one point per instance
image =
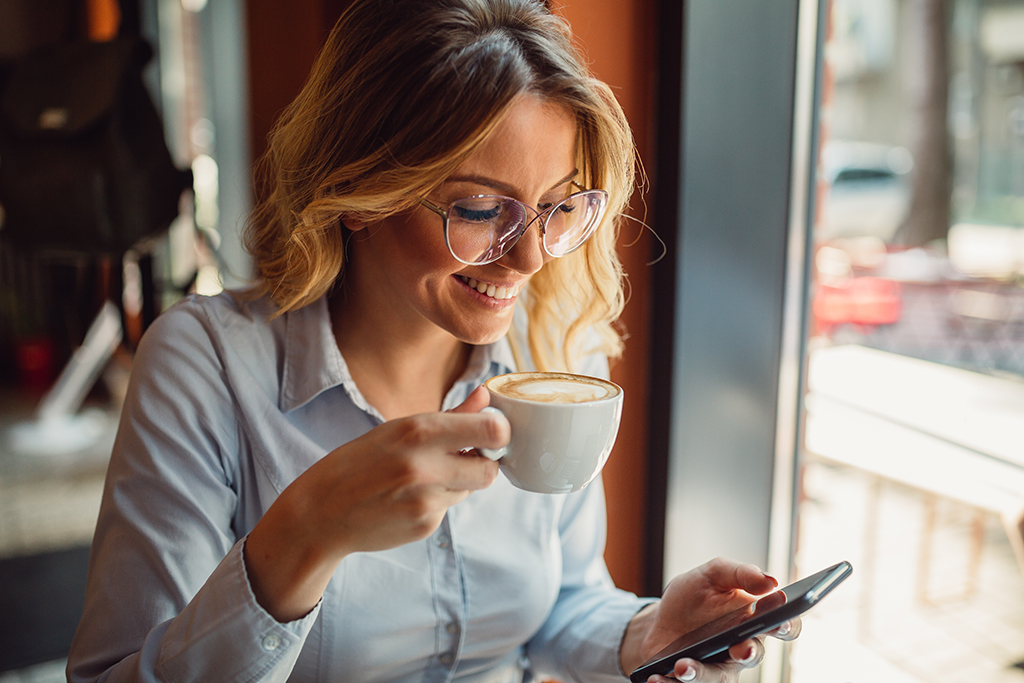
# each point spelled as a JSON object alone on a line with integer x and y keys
{"x": 825, "y": 353}
{"x": 916, "y": 342}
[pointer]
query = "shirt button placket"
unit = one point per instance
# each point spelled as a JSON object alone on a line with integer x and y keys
{"x": 449, "y": 602}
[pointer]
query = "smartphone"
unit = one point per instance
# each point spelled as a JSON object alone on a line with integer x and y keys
{"x": 711, "y": 642}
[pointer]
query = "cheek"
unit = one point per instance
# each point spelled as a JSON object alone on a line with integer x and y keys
{"x": 422, "y": 242}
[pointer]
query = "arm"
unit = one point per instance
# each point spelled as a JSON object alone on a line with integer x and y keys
{"x": 170, "y": 591}
{"x": 167, "y": 595}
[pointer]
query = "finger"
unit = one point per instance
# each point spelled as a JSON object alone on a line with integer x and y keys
{"x": 748, "y": 654}
{"x": 434, "y": 441}
{"x": 458, "y": 431}
{"x": 468, "y": 471}
{"x": 477, "y": 399}
{"x": 729, "y": 575}
{"x": 753, "y": 580}
{"x": 686, "y": 670}
{"x": 790, "y": 630}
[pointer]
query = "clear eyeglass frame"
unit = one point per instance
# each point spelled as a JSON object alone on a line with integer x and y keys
{"x": 502, "y": 240}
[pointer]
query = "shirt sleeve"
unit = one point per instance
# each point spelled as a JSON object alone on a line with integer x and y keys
{"x": 167, "y": 597}
{"x": 581, "y": 637}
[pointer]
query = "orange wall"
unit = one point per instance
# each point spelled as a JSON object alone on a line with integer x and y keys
{"x": 618, "y": 38}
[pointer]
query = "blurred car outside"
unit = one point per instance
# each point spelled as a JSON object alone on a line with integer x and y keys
{"x": 868, "y": 191}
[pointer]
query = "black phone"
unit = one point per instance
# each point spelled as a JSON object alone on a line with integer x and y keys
{"x": 711, "y": 642}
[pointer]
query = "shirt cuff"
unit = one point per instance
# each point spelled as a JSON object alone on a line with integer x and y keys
{"x": 644, "y": 604}
{"x": 224, "y": 634}
{"x": 601, "y": 652}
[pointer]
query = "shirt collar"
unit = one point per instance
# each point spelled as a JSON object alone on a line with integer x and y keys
{"x": 313, "y": 363}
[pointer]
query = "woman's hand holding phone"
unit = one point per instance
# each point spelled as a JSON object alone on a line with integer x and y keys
{"x": 690, "y": 600}
{"x": 726, "y": 640}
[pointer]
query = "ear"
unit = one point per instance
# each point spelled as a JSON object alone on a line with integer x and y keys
{"x": 352, "y": 224}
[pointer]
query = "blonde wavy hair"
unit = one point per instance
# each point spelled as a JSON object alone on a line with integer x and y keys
{"x": 400, "y": 95}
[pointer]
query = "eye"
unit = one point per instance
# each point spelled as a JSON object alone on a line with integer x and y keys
{"x": 478, "y": 213}
{"x": 566, "y": 207}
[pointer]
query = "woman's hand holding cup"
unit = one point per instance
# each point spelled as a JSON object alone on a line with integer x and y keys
{"x": 389, "y": 487}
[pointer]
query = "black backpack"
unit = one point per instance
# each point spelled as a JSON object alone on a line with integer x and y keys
{"x": 84, "y": 166}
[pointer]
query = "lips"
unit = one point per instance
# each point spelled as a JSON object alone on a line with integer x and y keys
{"x": 499, "y": 292}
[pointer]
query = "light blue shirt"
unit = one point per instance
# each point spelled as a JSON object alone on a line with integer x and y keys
{"x": 224, "y": 410}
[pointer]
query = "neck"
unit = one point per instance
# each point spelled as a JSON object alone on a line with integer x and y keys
{"x": 400, "y": 371}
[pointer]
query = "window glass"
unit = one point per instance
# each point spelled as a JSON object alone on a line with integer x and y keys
{"x": 912, "y": 460}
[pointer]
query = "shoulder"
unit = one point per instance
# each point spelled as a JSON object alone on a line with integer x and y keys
{"x": 202, "y": 340}
{"x": 224, "y": 310}
{"x": 203, "y": 321}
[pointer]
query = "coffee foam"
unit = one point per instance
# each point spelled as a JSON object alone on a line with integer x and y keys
{"x": 549, "y": 387}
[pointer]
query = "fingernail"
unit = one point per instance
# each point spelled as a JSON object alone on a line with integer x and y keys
{"x": 784, "y": 630}
{"x": 689, "y": 674}
{"x": 747, "y": 658}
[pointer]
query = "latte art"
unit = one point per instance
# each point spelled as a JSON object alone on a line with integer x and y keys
{"x": 551, "y": 387}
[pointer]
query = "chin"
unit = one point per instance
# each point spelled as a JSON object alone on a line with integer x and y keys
{"x": 480, "y": 337}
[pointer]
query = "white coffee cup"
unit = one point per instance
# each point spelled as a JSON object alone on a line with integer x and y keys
{"x": 563, "y": 428}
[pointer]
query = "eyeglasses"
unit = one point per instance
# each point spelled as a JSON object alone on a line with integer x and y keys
{"x": 481, "y": 229}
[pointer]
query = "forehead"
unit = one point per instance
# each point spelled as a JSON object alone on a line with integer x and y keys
{"x": 530, "y": 151}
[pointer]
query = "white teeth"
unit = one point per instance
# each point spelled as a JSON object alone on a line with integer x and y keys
{"x": 493, "y": 291}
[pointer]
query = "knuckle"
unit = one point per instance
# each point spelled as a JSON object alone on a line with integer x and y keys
{"x": 414, "y": 432}
{"x": 421, "y": 514}
{"x": 409, "y": 472}
{"x": 716, "y": 565}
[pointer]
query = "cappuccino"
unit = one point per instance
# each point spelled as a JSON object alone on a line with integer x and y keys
{"x": 563, "y": 428}
{"x": 551, "y": 387}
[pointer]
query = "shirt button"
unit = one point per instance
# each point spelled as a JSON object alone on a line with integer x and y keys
{"x": 271, "y": 642}
{"x": 452, "y": 628}
{"x": 446, "y": 658}
{"x": 443, "y": 541}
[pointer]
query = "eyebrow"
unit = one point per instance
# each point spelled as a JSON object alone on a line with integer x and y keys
{"x": 500, "y": 186}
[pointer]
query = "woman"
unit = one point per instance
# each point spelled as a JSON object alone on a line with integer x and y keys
{"x": 292, "y": 494}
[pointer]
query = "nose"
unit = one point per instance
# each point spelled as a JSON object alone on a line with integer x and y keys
{"x": 528, "y": 255}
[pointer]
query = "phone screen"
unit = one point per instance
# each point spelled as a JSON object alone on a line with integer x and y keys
{"x": 711, "y": 641}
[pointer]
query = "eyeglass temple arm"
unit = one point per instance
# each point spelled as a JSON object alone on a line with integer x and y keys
{"x": 435, "y": 208}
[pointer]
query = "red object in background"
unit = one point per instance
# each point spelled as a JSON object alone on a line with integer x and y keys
{"x": 866, "y": 301}
{"x": 35, "y": 358}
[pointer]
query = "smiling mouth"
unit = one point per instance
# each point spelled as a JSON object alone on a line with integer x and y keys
{"x": 493, "y": 291}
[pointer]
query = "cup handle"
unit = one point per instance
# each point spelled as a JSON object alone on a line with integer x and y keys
{"x": 494, "y": 454}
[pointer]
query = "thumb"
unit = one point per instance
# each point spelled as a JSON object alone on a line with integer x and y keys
{"x": 477, "y": 400}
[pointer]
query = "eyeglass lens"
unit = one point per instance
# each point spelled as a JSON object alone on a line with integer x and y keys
{"x": 482, "y": 229}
